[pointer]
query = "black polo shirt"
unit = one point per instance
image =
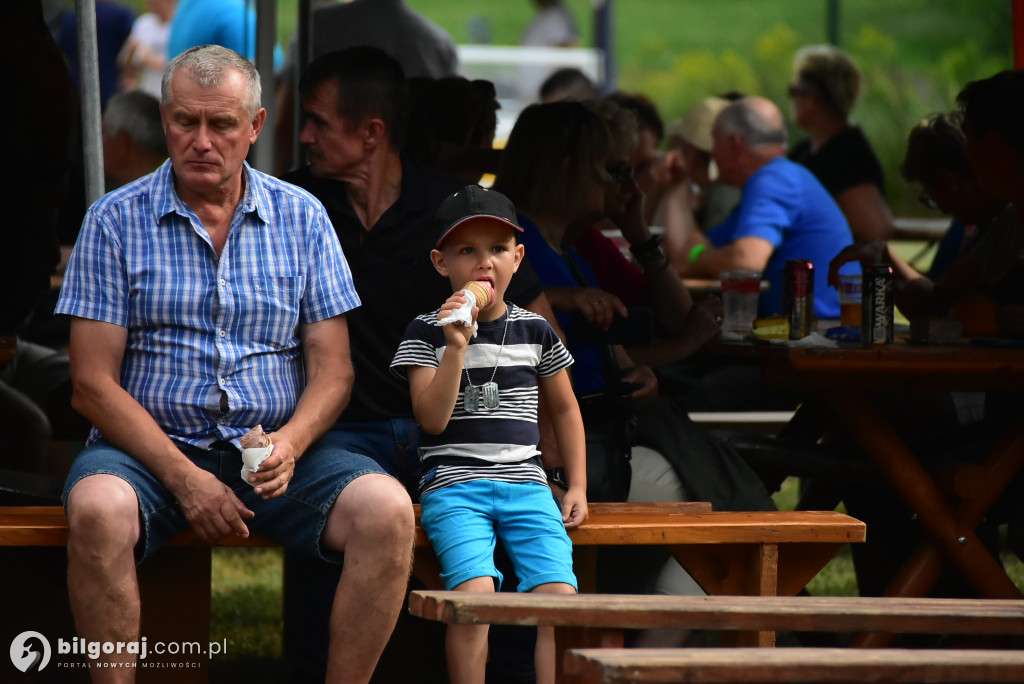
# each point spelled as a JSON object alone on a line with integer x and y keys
{"x": 395, "y": 279}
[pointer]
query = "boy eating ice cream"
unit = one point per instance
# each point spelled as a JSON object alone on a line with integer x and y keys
{"x": 475, "y": 397}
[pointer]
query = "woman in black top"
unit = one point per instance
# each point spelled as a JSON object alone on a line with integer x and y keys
{"x": 823, "y": 92}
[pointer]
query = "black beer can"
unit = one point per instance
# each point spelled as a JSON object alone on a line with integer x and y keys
{"x": 798, "y": 297}
{"x": 877, "y": 302}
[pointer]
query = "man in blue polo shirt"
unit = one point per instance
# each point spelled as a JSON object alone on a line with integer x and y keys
{"x": 785, "y": 213}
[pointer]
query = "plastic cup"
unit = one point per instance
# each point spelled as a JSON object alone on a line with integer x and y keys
{"x": 740, "y": 292}
{"x": 850, "y": 300}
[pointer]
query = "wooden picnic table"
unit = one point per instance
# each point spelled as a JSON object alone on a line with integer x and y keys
{"x": 849, "y": 377}
{"x": 919, "y": 230}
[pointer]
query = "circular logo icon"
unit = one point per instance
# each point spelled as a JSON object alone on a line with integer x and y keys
{"x": 30, "y": 651}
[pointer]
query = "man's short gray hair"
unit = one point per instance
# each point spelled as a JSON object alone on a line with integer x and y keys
{"x": 136, "y": 113}
{"x": 207, "y": 64}
{"x": 739, "y": 118}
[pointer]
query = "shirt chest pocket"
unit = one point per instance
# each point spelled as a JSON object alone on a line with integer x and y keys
{"x": 273, "y": 309}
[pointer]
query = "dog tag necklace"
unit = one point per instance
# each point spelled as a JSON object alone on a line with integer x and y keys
{"x": 488, "y": 391}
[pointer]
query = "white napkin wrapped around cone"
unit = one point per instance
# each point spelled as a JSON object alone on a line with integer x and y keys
{"x": 478, "y": 293}
{"x": 256, "y": 448}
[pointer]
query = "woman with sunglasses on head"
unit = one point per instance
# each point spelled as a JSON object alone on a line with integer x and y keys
{"x": 823, "y": 93}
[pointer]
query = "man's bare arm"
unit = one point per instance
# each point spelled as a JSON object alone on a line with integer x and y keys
{"x": 329, "y": 377}
{"x": 97, "y": 350}
{"x": 750, "y": 253}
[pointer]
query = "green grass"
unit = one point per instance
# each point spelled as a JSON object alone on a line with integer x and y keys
{"x": 838, "y": 579}
{"x": 247, "y": 602}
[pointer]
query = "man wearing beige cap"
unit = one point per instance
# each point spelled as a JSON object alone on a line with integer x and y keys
{"x": 697, "y": 200}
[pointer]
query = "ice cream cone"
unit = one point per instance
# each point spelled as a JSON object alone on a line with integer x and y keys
{"x": 481, "y": 290}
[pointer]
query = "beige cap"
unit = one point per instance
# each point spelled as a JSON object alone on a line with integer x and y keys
{"x": 695, "y": 125}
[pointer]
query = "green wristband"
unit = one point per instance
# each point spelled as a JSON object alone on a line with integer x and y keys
{"x": 696, "y": 252}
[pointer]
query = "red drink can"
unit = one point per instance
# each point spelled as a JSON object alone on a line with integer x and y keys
{"x": 798, "y": 297}
{"x": 877, "y": 301}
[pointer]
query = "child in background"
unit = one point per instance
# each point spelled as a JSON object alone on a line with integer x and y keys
{"x": 475, "y": 395}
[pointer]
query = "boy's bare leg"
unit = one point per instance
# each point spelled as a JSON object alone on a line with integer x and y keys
{"x": 103, "y": 523}
{"x": 466, "y": 645}
{"x": 544, "y": 653}
{"x": 372, "y": 522}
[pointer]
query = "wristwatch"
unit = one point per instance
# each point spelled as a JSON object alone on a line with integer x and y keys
{"x": 556, "y": 476}
{"x": 647, "y": 250}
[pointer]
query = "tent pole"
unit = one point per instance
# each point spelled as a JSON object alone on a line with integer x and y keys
{"x": 303, "y": 53}
{"x": 266, "y": 37}
{"x": 89, "y": 97}
{"x": 1017, "y": 11}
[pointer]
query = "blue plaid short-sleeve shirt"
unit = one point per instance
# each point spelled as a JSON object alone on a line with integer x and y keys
{"x": 213, "y": 342}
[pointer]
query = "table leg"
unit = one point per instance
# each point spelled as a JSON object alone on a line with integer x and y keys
{"x": 739, "y": 569}
{"x": 952, "y": 530}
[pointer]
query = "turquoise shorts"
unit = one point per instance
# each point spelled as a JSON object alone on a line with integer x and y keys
{"x": 465, "y": 520}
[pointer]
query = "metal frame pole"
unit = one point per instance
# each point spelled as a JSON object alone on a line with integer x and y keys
{"x": 266, "y": 38}
{"x": 89, "y": 98}
{"x": 303, "y": 53}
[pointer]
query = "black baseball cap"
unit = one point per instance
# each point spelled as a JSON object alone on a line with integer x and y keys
{"x": 470, "y": 203}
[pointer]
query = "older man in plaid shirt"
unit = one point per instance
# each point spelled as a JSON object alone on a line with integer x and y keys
{"x": 208, "y": 298}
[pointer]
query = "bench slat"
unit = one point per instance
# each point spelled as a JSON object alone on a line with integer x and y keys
{"x": 792, "y": 613}
{"x": 794, "y": 665}
{"x": 47, "y": 526}
{"x": 723, "y": 527}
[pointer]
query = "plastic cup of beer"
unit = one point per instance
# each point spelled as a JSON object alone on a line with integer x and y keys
{"x": 740, "y": 292}
{"x": 850, "y": 299}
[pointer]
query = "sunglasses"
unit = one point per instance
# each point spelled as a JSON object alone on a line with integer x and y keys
{"x": 620, "y": 172}
{"x": 927, "y": 200}
{"x": 797, "y": 90}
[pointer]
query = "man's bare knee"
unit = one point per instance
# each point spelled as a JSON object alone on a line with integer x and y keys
{"x": 373, "y": 509}
{"x": 103, "y": 510}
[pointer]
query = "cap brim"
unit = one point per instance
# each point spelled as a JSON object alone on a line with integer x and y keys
{"x": 466, "y": 219}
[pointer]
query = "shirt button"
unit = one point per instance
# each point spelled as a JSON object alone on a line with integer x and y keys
{"x": 222, "y": 333}
{"x": 220, "y": 380}
{"x": 223, "y": 281}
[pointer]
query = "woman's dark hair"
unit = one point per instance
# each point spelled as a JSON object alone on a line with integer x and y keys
{"x": 996, "y": 103}
{"x": 936, "y": 143}
{"x": 554, "y": 152}
{"x": 450, "y": 110}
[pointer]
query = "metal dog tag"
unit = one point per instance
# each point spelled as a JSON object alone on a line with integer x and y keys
{"x": 471, "y": 399}
{"x": 490, "y": 390}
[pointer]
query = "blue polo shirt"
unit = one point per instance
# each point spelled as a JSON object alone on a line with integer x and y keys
{"x": 786, "y": 205}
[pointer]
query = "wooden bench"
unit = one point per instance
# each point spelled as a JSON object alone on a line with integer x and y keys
{"x": 612, "y": 666}
{"x": 764, "y": 553}
{"x": 600, "y": 620}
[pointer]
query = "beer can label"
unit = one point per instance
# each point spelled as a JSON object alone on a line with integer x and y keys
{"x": 878, "y": 305}
{"x": 798, "y": 297}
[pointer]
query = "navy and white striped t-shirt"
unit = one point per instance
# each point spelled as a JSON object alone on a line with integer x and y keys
{"x": 495, "y": 444}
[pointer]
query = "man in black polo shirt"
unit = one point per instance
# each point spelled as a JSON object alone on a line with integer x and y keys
{"x": 382, "y": 206}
